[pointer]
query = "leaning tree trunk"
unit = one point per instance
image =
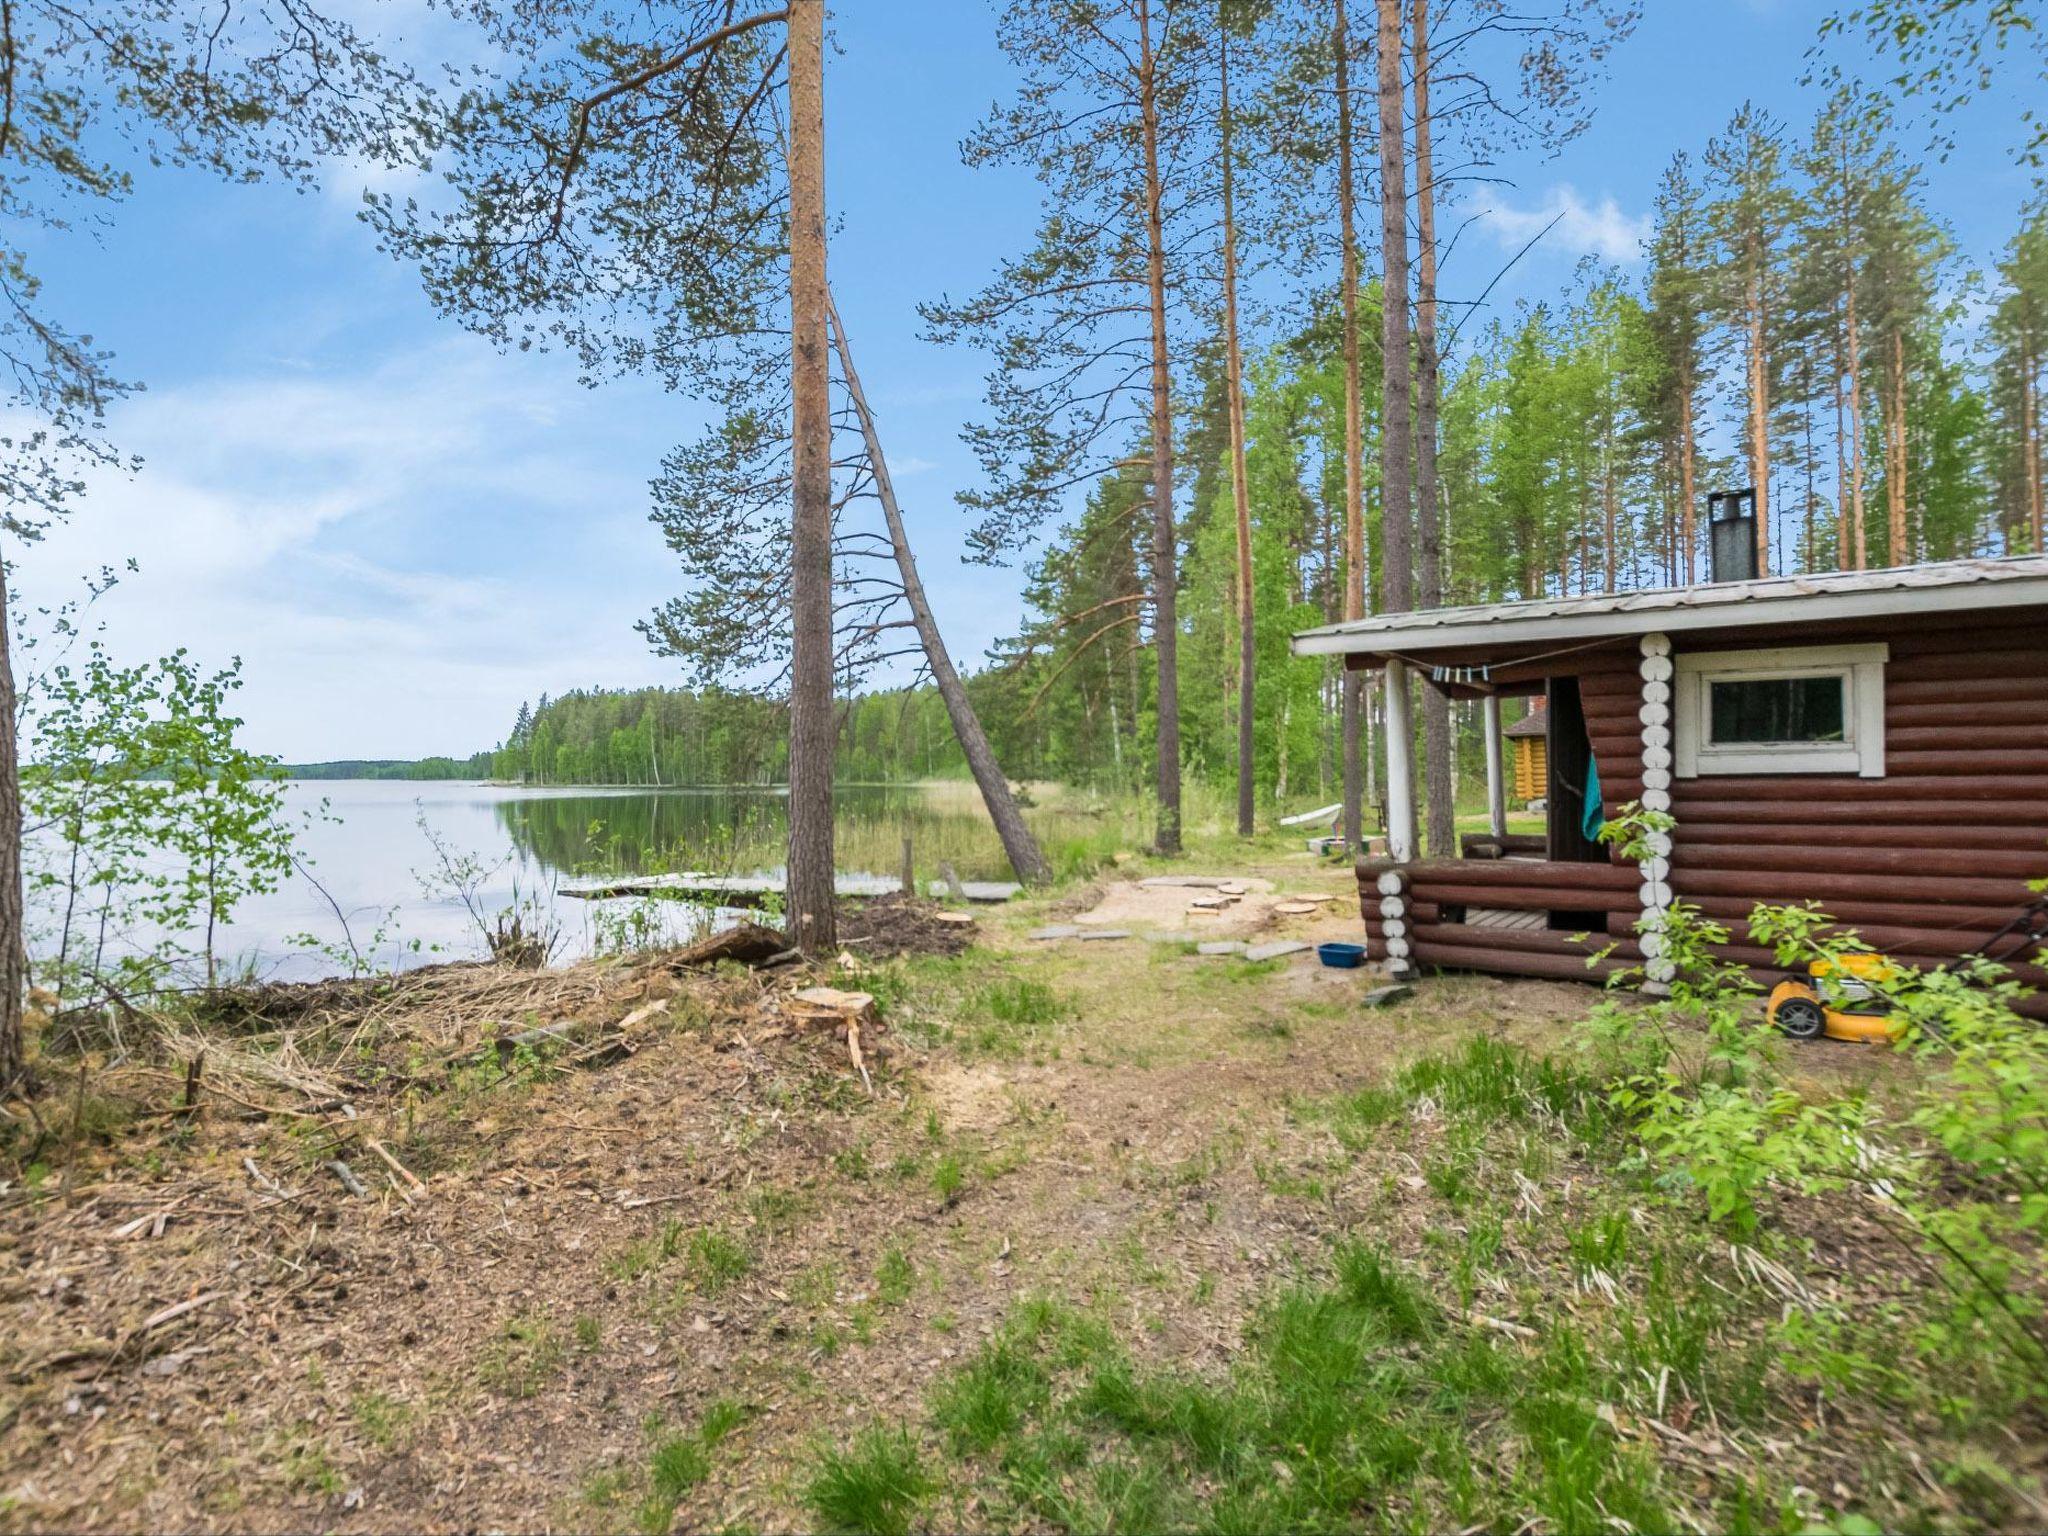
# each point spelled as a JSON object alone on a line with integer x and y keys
{"x": 1240, "y": 490}
{"x": 1165, "y": 618}
{"x": 13, "y": 956}
{"x": 1352, "y": 683}
{"x": 1018, "y": 843}
{"x": 1437, "y": 741}
{"x": 812, "y": 728}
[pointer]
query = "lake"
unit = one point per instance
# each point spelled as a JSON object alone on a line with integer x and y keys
{"x": 370, "y": 850}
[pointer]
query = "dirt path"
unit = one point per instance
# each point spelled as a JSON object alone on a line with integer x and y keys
{"x": 702, "y": 1245}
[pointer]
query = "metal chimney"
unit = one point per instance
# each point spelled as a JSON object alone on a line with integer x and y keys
{"x": 1731, "y": 531}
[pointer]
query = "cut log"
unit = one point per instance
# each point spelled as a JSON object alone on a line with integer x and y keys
{"x": 748, "y": 943}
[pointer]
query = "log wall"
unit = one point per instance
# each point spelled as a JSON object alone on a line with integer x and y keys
{"x": 1926, "y": 862}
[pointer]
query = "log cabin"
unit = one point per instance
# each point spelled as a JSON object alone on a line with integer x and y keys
{"x": 1874, "y": 741}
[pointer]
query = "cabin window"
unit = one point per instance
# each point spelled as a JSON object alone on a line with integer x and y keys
{"x": 1802, "y": 709}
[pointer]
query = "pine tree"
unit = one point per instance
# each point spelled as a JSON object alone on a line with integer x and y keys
{"x": 1679, "y": 298}
{"x": 1107, "y": 112}
{"x": 2019, "y": 331}
{"x": 1748, "y": 216}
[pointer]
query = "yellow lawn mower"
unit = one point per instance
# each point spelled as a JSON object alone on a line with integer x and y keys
{"x": 1847, "y": 999}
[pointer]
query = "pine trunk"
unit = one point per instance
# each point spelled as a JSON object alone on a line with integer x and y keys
{"x": 1165, "y": 619}
{"x": 1397, "y": 435}
{"x": 1842, "y": 551}
{"x": 2030, "y": 431}
{"x": 1438, "y": 740}
{"x": 1759, "y": 411}
{"x": 1240, "y": 489}
{"x": 1895, "y": 456}
{"x": 1024, "y": 854}
{"x": 1859, "y": 530}
{"x": 1351, "y": 683}
{"x": 13, "y": 958}
{"x": 811, "y": 918}
{"x": 1688, "y": 482}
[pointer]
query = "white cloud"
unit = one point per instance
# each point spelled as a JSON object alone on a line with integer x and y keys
{"x": 399, "y": 553}
{"x": 1598, "y": 229}
{"x": 910, "y": 464}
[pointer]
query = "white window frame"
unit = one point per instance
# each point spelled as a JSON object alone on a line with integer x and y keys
{"x": 1861, "y": 751}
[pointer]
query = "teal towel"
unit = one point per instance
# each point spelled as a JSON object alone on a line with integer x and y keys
{"x": 1592, "y": 821}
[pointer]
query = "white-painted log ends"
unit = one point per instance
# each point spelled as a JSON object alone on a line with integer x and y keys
{"x": 1393, "y": 889}
{"x": 1656, "y": 869}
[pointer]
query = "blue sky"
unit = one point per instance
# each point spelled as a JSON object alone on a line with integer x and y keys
{"x": 404, "y": 533}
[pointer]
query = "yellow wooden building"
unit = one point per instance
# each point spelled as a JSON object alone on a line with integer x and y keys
{"x": 1532, "y": 763}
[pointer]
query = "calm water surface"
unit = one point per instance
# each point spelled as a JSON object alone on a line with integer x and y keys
{"x": 369, "y": 850}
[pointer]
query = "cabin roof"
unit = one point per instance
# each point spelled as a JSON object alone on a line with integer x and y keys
{"x": 1534, "y": 723}
{"x": 1949, "y": 586}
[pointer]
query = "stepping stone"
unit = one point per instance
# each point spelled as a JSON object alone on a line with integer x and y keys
{"x": 1221, "y": 947}
{"x": 972, "y": 890}
{"x": 956, "y": 919}
{"x": 1235, "y": 888}
{"x": 1210, "y": 903}
{"x": 1056, "y": 931}
{"x": 1275, "y": 950}
{"x": 1104, "y": 933}
{"x": 1294, "y": 908}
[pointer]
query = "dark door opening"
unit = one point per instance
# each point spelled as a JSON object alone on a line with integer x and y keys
{"x": 1571, "y": 763}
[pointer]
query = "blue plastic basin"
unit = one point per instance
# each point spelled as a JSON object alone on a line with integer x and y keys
{"x": 1341, "y": 957}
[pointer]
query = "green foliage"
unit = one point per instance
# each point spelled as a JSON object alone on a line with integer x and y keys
{"x": 874, "y": 1487}
{"x": 156, "y": 824}
{"x": 1957, "y": 1182}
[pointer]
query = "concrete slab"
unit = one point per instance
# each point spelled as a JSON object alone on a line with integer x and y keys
{"x": 1221, "y": 947}
{"x": 1056, "y": 931}
{"x": 1104, "y": 933}
{"x": 1275, "y": 950}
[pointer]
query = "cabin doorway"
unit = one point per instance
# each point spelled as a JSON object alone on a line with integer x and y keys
{"x": 1570, "y": 751}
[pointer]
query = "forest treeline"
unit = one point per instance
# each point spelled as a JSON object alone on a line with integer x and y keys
{"x": 1801, "y": 323}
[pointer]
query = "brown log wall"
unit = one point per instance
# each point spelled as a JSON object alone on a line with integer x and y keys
{"x": 1925, "y": 863}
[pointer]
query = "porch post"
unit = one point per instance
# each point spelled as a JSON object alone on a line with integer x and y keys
{"x": 1400, "y": 765}
{"x": 1496, "y": 787}
{"x": 1655, "y": 714}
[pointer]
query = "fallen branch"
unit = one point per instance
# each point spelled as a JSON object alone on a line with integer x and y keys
{"x": 411, "y": 1180}
{"x": 349, "y": 1181}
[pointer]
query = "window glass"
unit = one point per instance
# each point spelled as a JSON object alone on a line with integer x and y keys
{"x": 1777, "y": 709}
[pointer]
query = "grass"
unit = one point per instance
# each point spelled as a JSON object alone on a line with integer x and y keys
{"x": 874, "y": 1487}
{"x": 383, "y": 1419}
{"x": 1382, "y": 1391}
{"x": 895, "y": 1276}
{"x": 522, "y": 1357}
{"x": 678, "y": 1463}
{"x": 714, "y": 1261}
